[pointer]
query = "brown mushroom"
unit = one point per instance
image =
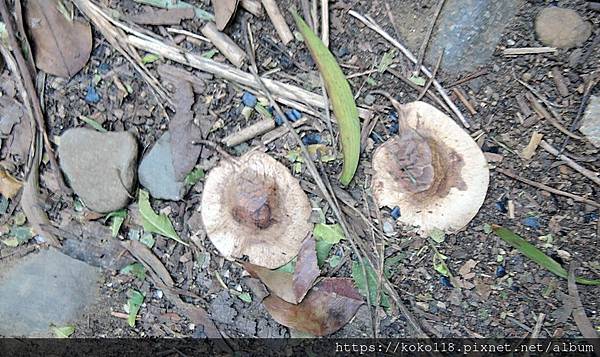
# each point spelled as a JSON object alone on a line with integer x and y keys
{"x": 252, "y": 206}
{"x": 433, "y": 171}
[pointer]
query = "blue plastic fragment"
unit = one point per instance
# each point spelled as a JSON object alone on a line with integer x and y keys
{"x": 278, "y": 119}
{"x": 249, "y": 99}
{"x": 311, "y": 139}
{"x": 394, "y": 128}
{"x": 445, "y": 281}
{"x": 395, "y": 212}
{"x": 501, "y": 205}
{"x": 104, "y": 68}
{"x": 92, "y": 95}
{"x": 500, "y": 271}
{"x": 393, "y": 115}
{"x": 532, "y": 222}
{"x": 293, "y": 115}
{"x": 590, "y": 217}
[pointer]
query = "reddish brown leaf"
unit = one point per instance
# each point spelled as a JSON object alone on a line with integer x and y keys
{"x": 325, "y": 309}
{"x": 224, "y": 10}
{"x": 291, "y": 287}
{"x": 61, "y": 46}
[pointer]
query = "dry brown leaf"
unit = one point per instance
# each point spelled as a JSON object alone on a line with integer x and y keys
{"x": 291, "y": 287}
{"x": 325, "y": 309}
{"x": 61, "y": 47}
{"x": 11, "y": 113}
{"x": 224, "y": 10}
{"x": 182, "y": 128}
{"x": 581, "y": 320}
{"x": 467, "y": 267}
{"x": 9, "y": 186}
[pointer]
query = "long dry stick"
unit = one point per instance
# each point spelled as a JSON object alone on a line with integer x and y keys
{"x": 370, "y": 23}
{"x": 425, "y": 43}
{"x": 34, "y": 100}
{"x": 547, "y": 188}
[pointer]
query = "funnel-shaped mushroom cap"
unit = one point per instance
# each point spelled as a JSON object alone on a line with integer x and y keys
{"x": 255, "y": 207}
{"x": 433, "y": 171}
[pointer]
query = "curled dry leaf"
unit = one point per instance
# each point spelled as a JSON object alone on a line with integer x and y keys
{"x": 182, "y": 128}
{"x": 325, "y": 309}
{"x": 253, "y": 206}
{"x": 224, "y": 10}
{"x": 9, "y": 186}
{"x": 61, "y": 46}
{"x": 433, "y": 171}
{"x": 291, "y": 287}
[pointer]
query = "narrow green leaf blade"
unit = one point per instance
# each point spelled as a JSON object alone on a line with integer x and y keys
{"x": 63, "y": 331}
{"x": 341, "y": 98}
{"x": 94, "y": 124}
{"x": 368, "y": 285}
{"x": 155, "y": 223}
{"x": 134, "y": 302}
{"x": 531, "y": 252}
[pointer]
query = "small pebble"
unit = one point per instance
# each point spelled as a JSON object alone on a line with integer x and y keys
{"x": 92, "y": 96}
{"x": 532, "y": 222}
{"x": 249, "y": 99}
{"x": 311, "y": 139}
{"x": 445, "y": 281}
{"x": 500, "y": 271}
{"x": 388, "y": 227}
{"x": 369, "y": 99}
{"x": 395, "y": 212}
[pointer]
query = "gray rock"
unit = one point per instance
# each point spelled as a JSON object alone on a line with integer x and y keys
{"x": 99, "y": 166}
{"x": 469, "y": 31}
{"x": 43, "y": 289}
{"x": 590, "y": 124}
{"x": 562, "y": 28}
{"x": 157, "y": 173}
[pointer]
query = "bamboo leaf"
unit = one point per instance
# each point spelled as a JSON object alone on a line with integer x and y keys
{"x": 531, "y": 252}
{"x": 341, "y": 98}
{"x": 155, "y": 223}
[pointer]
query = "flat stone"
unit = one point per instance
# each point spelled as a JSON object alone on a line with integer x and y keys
{"x": 562, "y": 28}
{"x": 99, "y": 166}
{"x": 43, "y": 289}
{"x": 590, "y": 124}
{"x": 157, "y": 173}
{"x": 468, "y": 32}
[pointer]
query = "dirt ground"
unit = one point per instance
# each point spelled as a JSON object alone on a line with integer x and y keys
{"x": 489, "y": 304}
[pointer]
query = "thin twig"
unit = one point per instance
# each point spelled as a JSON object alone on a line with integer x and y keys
{"x": 370, "y": 23}
{"x": 547, "y": 188}
{"x": 425, "y": 43}
{"x": 575, "y": 166}
{"x": 435, "y": 70}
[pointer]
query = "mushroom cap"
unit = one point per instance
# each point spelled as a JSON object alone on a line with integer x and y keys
{"x": 253, "y": 206}
{"x": 452, "y": 175}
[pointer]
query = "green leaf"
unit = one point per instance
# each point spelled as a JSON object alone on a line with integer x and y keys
{"x": 334, "y": 261}
{"x": 147, "y": 240}
{"x": 340, "y": 95}
{"x": 209, "y": 54}
{"x": 118, "y": 217}
{"x": 135, "y": 269}
{"x": 133, "y": 303}
{"x": 155, "y": 223}
{"x": 439, "y": 265}
{"x": 370, "y": 280}
{"x": 420, "y": 81}
{"x": 323, "y": 248}
{"x": 330, "y": 233}
{"x": 149, "y": 58}
{"x": 194, "y": 177}
{"x": 487, "y": 228}
{"x": 391, "y": 263}
{"x": 289, "y": 267}
{"x": 63, "y": 331}
{"x": 245, "y": 297}
{"x": 386, "y": 60}
{"x": 94, "y": 124}
{"x": 531, "y": 252}
{"x": 18, "y": 236}
{"x": 437, "y": 235}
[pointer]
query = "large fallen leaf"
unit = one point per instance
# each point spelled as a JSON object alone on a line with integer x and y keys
{"x": 291, "y": 287}
{"x": 368, "y": 284}
{"x": 224, "y": 10}
{"x": 156, "y": 223}
{"x": 61, "y": 46}
{"x": 9, "y": 186}
{"x": 325, "y": 309}
{"x": 341, "y": 98}
{"x": 183, "y": 131}
{"x": 531, "y": 252}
